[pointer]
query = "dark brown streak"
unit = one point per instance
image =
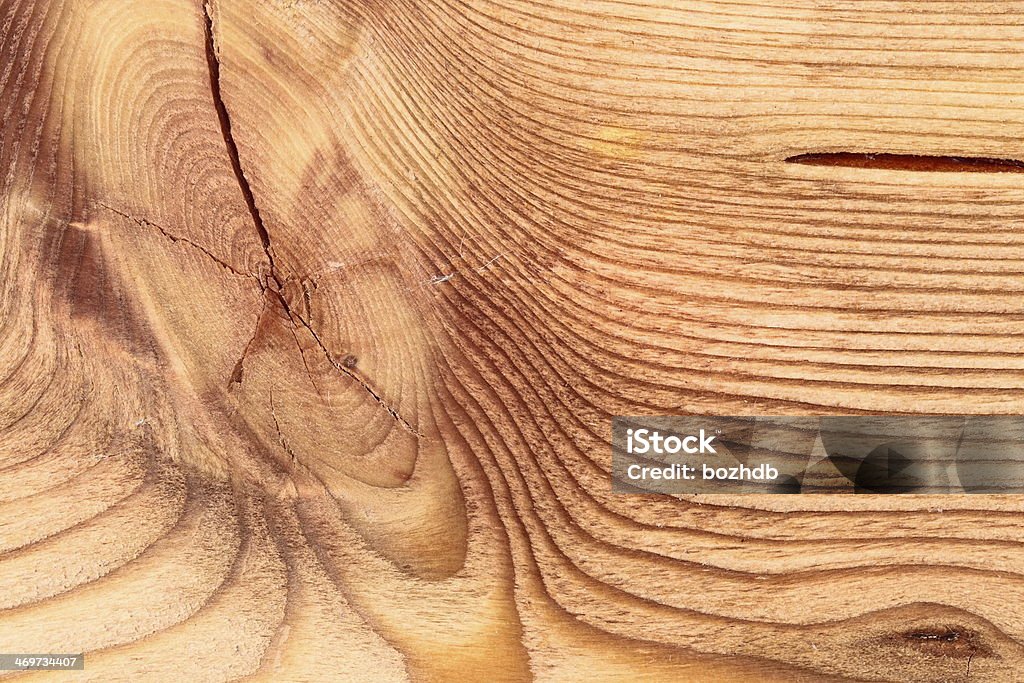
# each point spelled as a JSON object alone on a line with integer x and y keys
{"x": 909, "y": 162}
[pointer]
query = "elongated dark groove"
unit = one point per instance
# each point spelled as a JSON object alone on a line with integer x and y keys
{"x": 909, "y": 162}
{"x": 229, "y": 141}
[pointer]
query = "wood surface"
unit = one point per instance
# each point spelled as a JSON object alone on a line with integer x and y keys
{"x": 314, "y": 314}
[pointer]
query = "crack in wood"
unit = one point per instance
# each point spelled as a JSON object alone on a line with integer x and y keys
{"x": 909, "y": 162}
{"x": 146, "y": 223}
{"x": 272, "y": 282}
{"x": 352, "y": 374}
{"x": 236, "y": 373}
{"x": 213, "y": 63}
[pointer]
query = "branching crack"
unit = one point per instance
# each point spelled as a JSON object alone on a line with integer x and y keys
{"x": 272, "y": 283}
{"x": 146, "y": 223}
{"x": 236, "y": 374}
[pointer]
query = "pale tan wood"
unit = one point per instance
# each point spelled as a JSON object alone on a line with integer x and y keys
{"x": 315, "y": 315}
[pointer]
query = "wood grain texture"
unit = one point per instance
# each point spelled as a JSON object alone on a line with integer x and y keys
{"x": 314, "y": 314}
